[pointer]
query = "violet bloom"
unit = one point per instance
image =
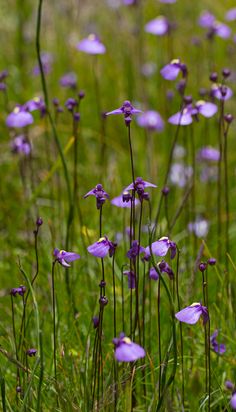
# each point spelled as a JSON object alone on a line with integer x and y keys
{"x": 151, "y": 120}
{"x": 91, "y": 45}
{"x": 180, "y": 174}
{"x": 135, "y": 250}
{"x": 191, "y": 314}
{"x": 217, "y": 347}
{"x": 153, "y": 274}
{"x": 208, "y": 153}
{"x": 69, "y": 80}
{"x": 31, "y": 352}
{"x": 102, "y": 248}
{"x": 161, "y": 248}
{"x": 64, "y": 258}
{"x": 37, "y": 103}
{"x": 233, "y": 401}
{"x": 46, "y": 59}
{"x": 200, "y": 227}
{"x": 126, "y": 350}
{"x": 19, "y": 118}
{"x": 18, "y": 291}
{"x": 171, "y": 70}
{"x": 221, "y": 92}
{"x": 100, "y": 195}
{"x": 127, "y": 110}
{"x": 208, "y": 21}
{"x": 167, "y": 1}
{"x": 20, "y": 144}
{"x": 165, "y": 268}
{"x": 158, "y": 26}
{"x": 183, "y": 118}
{"x": 231, "y": 14}
{"x": 139, "y": 187}
{"x": 124, "y": 200}
{"x": 191, "y": 111}
{"x": 95, "y": 321}
{"x": 131, "y": 278}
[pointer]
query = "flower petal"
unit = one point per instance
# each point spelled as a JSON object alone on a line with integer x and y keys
{"x": 129, "y": 352}
{"x": 190, "y": 314}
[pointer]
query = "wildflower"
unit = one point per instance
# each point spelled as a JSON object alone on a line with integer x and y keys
{"x": 95, "y": 320}
{"x": 3, "y": 75}
{"x": 167, "y": 1}
{"x": 211, "y": 261}
{"x": 229, "y": 385}
{"x": 233, "y": 401}
{"x": 231, "y": 14}
{"x": 69, "y": 80}
{"x": 135, "y": 250}
{"x": 200, "y": 227}
{"x": 91, "y": 45}
{"x": 165, "y": 268}
{"x": 138, "y": 186}
{"x": 46, "y": 59}
{"x": 217, "y": 347}
{"x": 158, "y": 26}
{"x": 102, "y": 248}
{"x": 180, "y": 174}
{"x": 208, "y": 21}
{"x": 71, "y": 104}
{"x": 31, "y": 352}
{"x": 151, "y": 120}
{"x": 20, "y": 117}
{"x": 171, "y": 70}
{"x": 20, "y": 144}
{"x": 127, "y": 110}
{"x": 208, "y": 153}
{"x": 153, "y": 274}
{"x": 100, "y": 195}
{"x": 202, "y": 266}
{"x": 131, "y": 278}
{"x": 64, "y": 258}
{"x": 37, "y": 103}
{"x": 126, "y": 350}
{"x": 190, "y": 112}
{"x": 221, "y": 92}
{"x": 191, "y": 314}
{"x": 161, "y": 247}
{"x": 18, "y": 291}
{"x": 124, "y": 200}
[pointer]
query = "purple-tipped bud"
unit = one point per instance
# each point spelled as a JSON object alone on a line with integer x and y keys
{"x": 18, "y": 389}
{"x": 76, "y": 117}
{"x": 102, "y": 284}
{"x": 211, "y": 261}
{"x": 55, "y": 101}
{"x": 213, "y": 77}
{"x": 81, "y": 94}
{"x": 103, "y": 301}
{"x": 202, "y": 266}
{"x": 202, "y": 92}
{"x": 39, "y": 221}
{"x": 31, "y": 352}
{"x": 188, "y": 99}
{"x": 229, "y": 385}
{"x": 95, "y": 322}
{"x": 181, "y": 86}
{"x": 166, "y": 190}
{"x": 228, "y": 118}
{"x": 226, "y": 73}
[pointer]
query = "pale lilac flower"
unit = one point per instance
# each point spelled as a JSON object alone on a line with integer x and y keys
{"x": 100, "y": 195}
{"x": 231, "y": 14}
{"x": 153, "y": 274}
{"x": 37, "y": 103}
{"x": 209, "y": 174}
{"x": 102, "y": 248}
{"x": 167, "y": 1}
{"x": 171, "y": 70}
{"x": 127, "y": 110}
{"x": 139, "y": 187}
{"x": 208, "y": 153}
{"x": 69, "y": 80}
{"x": 161, "y": 248}
{"x": 64, "y": 258}
{"x": 19, "y": 118}
{"x": 91, "y": 45}
{"x": 191, "y": 314}
{"x": 151, "y": 120}
{"x": 131, "y": 278}
{"x": 165, "y": 268}
{"x": 217, "y": 347}
{"x": 21, "y": 144}
{"x": 120, "y": 201}
{"x": 183, "y": 118}
{"x": 221, "y": 92}
{"x": 180, "y": 174}
{"x": 208, "y": 20}
{"x": 200, "y": 227}
{"x": 126, "y": 350}
{"x": 46, "y": 59}
{"x": 206, "y": 109}
{"x": 233, "y": 401}
{"x": 148, "y": 69}
{"x": 158, "y": 26}
{"x": 229, "y": 385}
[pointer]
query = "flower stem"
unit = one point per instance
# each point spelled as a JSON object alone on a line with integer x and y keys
{"x": 54, "y": 322}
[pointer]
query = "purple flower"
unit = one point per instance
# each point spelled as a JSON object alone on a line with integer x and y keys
{"x": 208, "y": 153}
{"x": 158, "y": 26}
{"x": 180, "y": 174}
{"x": 37, "y": 103}
{"x": 131, "y": 278}
{"x": 221, "y": 92}
{"x": 217, "y": 347}
{"x": 183, "y": 118}
{"x": 231, "y": 14}
{"x": 206, "y": 109}
{"x": 161, "y": 247}
{"x": 19, "y": 118}
{"x": 153, "y": 274}
{"x": 102, "y": 248}
{"x": 138, "y": 186}
{"x": 95, "y": 320}
{"x": 126, "y": 350}
{"x": 200, "y": 227}
{"x": 233, "y": 401}
{"x": 20, "y": 144}
{"x": 91, "y": 45}
{"x": 191, "y": 111}
{"x": 171, "y": 70}
{"x": 127, "y": 110}
{"x": 191, "y": 314}
{"x": 31, "y": 352}
{"x": 151, "y": 120}
{"x": 63, "y": 257}
{"x": 120, "y": 201}
{"x": 165, "y": 268}
{"x": 135, "y": 250}
{"x": 167, "y": 1}
{"x": 208, "y": 20}
{"x": 100, "y": 195}
{"x": 69, "y": 80}
{"x": 18, "y": 291}
{"x": 229, "y": 385}
{"x": 46, "y": 59}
